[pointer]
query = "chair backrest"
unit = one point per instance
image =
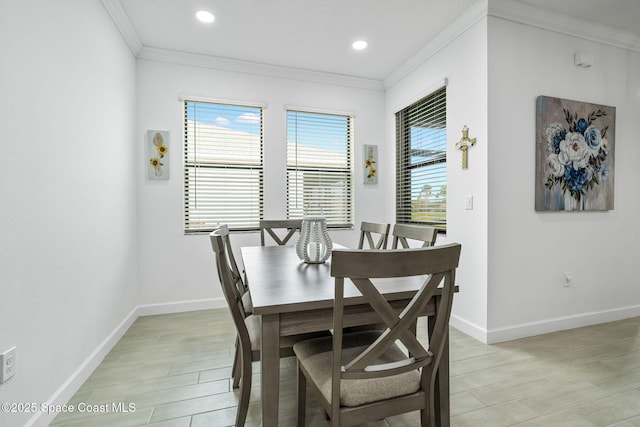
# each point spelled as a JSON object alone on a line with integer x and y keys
{"x": 436, "y": 266}
{"x": 229, "y": 288}
{"x": 223, "y": 231}
{"x": 402, "y": 232}
{"x": 289, "y": 225}
{"x": 366, "y": 228}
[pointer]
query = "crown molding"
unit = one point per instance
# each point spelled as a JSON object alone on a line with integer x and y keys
{"x": 248, "y": 67}
{"x": 509, "y": 10}
{"x": 552, "y": 21}
{"x": 121, "y": 20}
{"x": 476, "y": 12}
{"x": 521, "y": 13}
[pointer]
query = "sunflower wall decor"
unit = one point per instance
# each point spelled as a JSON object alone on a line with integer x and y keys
{"x": 370, "y": 164}
{"x": 157, "y": 158}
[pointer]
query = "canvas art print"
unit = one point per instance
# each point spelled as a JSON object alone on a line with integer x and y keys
{"x": 370, "y": 164}
{"x": 157, "y": 158}
{"x": 575, "y": 146}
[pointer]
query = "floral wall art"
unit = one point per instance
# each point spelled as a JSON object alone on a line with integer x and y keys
{"x": 575, "y": 146}
{"x": 157, "y": 158}
{"x": 370, "y": 164}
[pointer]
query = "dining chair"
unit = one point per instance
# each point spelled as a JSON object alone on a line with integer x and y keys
{"x": 367, "y": 376}
{"x": 366, "y": 230}
{"x": 289, "y": 225}
{"x": 248, "y": 327}
{"x": 242, "y": 290}
{"x": 402, "y": 232}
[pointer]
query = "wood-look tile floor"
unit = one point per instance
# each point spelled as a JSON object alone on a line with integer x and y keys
{"x": 176, "y": 369}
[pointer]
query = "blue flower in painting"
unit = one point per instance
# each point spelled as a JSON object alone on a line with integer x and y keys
{"x": 592, "y": 138}
{"x": 576, "y": 179}
{"x": 582, "y": 125}
{"x": 603, "y": 172}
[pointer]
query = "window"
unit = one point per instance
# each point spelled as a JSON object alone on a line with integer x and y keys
{"x": 421, "y": 162}
{"x": 319, "y": 167}
{"x": 223, "y": 167}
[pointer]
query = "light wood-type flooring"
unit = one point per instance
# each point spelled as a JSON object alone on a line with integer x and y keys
{"x": 176, "y": 369}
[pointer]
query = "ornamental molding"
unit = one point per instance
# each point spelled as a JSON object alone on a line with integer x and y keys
{"x": 563, "y": 24}
{"x": 509, "y": 10}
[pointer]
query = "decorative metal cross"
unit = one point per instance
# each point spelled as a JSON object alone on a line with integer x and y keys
{"x": 464, "y": 145}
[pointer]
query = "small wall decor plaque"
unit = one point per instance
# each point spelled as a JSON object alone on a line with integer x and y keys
{"x": 370, "y": 164}
{"x": 157, "y": 154}
{"x": 575, "y": 147}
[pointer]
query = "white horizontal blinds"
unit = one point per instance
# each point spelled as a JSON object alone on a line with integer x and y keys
{"x": 421, "y": 161}
{"x": 223, "y": 174}
{"x": 319, "y": 166}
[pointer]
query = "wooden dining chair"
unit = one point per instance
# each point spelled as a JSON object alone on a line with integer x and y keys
{"x": 402, "y": 232}
{"x": 248, "y": 327}
{"x": 290, "y": 226}
{"x": 242, "y": 290}
{"x": 367, "y": 376}
{"x": 368, "y": 229}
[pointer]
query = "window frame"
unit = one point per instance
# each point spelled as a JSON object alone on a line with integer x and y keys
{"x": 192, "y": 165}
{"x": 346, "y": 172}
{"x": 404, "y": 165}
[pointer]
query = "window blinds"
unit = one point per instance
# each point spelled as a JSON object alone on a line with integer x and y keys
{"x": 421, "y": 161}
{"x": 223, "y": 166}
{"x": 319, "y": 167}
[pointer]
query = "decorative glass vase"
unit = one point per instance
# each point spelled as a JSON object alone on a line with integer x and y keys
{"x": 314, "y": 245}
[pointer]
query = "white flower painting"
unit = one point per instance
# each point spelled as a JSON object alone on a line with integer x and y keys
{"x": 574, "y": 155}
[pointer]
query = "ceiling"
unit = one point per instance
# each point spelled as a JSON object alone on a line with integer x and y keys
{"x": 316, "y": 35}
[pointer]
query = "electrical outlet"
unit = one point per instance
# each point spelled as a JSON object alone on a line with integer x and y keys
{"x": 8, "y": 364}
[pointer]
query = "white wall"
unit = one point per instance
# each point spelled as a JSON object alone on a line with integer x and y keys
{"x": 175, "y": 268}
{"x": 529, "y": 250}
{"x": 461, "y": 58}
{"x": 68, "y": 254}
{"x": 513, "y": 258}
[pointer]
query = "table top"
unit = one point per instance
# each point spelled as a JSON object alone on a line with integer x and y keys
{"x": 280, "y": 282}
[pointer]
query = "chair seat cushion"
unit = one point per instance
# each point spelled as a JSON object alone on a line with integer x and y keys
{"x": 316, "y": 357}
{"x": 254, "y": 327}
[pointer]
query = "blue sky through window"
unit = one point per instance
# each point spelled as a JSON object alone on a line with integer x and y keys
{"x": 235, "y": 117}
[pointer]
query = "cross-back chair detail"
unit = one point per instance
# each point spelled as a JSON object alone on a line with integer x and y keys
{"x": 367, "y": 231}
{"x": 238, "y": 280}
{"x": 402, "y": 232}
{"x": 366, "y": 376}
{"x": 289, "y": 225}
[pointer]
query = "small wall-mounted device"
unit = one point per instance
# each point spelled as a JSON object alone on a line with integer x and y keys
{"x": 583, "y": 59}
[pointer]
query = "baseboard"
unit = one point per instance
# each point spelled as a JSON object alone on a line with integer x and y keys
{"x": 524, "y": 330}
{"x": 82, "y": 373}
{"x": 560, "y": 323}
{"x": 468, "y": 328}
{"x": 180, "y": 306}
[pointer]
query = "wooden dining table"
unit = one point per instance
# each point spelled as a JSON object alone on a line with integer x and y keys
{"x": 294, "y": 297}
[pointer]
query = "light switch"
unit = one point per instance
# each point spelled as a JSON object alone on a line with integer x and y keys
{"x": 468, "y": 202}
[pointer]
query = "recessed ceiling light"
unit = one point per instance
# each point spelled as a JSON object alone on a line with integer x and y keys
{"x": 205, "y": 16}
{"x": 359, "y": 45}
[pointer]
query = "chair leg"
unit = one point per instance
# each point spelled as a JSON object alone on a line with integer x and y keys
{"x": 245, "y": 391}
{"x": 302, "y": 397}
{"x": 235, "y": 374}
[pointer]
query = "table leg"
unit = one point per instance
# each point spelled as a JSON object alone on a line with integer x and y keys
{"x": 270, "y": 365}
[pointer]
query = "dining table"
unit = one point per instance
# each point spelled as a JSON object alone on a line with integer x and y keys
{"x": 294, "y": 297}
